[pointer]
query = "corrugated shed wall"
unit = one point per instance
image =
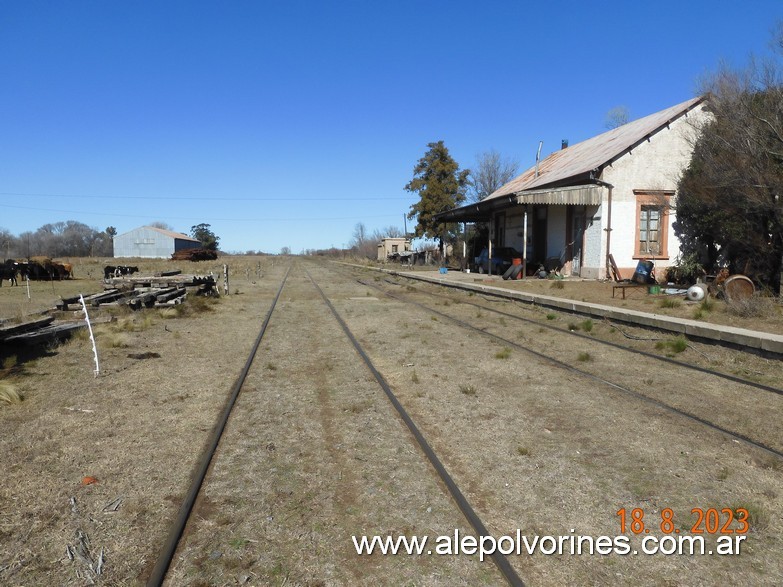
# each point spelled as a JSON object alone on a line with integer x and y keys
{"x": 144, "y": 242}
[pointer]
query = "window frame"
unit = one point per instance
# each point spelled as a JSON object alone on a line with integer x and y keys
{"x": 650, "y": 199}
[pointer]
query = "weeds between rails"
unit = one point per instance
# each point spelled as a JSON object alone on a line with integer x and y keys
{"x": 500, "y": 560}
{"x": 662, "y": 405}
{"x": 167, "y": 553}
{"x": 573, "y": 332}
{"x": 163, "y": 562}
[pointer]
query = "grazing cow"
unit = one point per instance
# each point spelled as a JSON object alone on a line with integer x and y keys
{"x": 118, "y": 270}
{"x": 40, "y": 268}
{"x": 61, "y": 270}
{"x": 8, "y": 270}
{"x": 24, "y": 269}
{"x": 68, "y": 267}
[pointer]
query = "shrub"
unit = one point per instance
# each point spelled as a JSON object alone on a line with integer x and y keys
{"x": 756, "y": 306}
{"x": 504, "y": 354}
{"x": 675, "y": 345}
{"x": 9, "y": 394}
{"x": 669, "y": 303}
{"x": 686, "y": 270}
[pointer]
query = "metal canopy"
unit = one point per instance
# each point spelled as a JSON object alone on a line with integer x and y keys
{"x": 580, "y": 195}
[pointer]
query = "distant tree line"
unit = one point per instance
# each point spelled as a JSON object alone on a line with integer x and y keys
{"x": 59, "y": 239}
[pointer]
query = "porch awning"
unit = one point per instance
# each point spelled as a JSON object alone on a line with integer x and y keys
{"x": 580, "y": 195}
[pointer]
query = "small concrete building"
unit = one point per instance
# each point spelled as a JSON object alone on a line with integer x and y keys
{"x": 390, "y": 246}
{"x": 152, "y": 243}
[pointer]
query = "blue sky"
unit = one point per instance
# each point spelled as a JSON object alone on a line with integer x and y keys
{"x": 286, "y": 123}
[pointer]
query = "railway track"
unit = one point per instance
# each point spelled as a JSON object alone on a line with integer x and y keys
{"x": 322, "y": 448}
{"x": 774, "y": 451}
{"x": 164, "y": 560}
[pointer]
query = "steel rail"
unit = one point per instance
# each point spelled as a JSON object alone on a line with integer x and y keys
{"x": 163, "y": 562}
{"x": 500, "y": 560}
{"x": 704, "y": 370}
{"x": 566, "y": 366}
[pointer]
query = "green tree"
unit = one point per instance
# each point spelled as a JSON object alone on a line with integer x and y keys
{"x": 441, "y": 186}
{"x": 202, "y": 233}
{"x": 729, "y": 207}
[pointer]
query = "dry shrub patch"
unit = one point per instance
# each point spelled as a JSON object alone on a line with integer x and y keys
{"x": 756, "y": 306}
{"x": 9, "y": 394}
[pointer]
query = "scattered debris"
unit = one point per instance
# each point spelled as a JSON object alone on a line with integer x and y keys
{"x": 88, "y": 480}
{"x": 37, "y": 331}
{"x": 81, "y": 552}
{"x": 113, "y": 506}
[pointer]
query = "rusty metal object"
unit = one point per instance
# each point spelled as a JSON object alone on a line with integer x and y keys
{"x": 738, "y": 287}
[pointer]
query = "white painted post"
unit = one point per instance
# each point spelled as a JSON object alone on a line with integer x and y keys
{"x": 524, "y": 246}
{"x": 92, "y": 338}
{"x": 27, "y": 279}
{"x": 225, "y": 279}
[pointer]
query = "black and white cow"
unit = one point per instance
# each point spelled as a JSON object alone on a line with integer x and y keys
{"x": 118, "y": 270}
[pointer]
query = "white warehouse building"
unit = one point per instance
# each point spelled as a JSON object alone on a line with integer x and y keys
{"x": 152, "y": 243}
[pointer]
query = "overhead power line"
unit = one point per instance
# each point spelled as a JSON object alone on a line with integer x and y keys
{"x": 201, "y": 217}
{"x": 207, "y": 198}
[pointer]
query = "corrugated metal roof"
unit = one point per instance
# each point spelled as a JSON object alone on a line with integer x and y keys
{"x": 173, "y": 234}
{"x": 580, "y": 195}
{"x": 170, "y": 233}
{"x": 580, "y": 159}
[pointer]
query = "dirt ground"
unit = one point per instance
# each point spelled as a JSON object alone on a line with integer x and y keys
{"x": 315, "y": 454}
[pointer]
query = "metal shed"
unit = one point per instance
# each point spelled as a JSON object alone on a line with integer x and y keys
{"x": 152, "y": 243}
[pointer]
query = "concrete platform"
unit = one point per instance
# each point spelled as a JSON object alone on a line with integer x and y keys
{"x": 763, "y": 342}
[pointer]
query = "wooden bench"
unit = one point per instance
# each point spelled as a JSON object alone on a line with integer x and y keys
{"x": 619, "y": 283}
{"x": 623, "y": 286}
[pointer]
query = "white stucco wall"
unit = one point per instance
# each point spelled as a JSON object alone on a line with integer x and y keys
{"x": 656, "y": 164}
{"x": 593, "y": 244}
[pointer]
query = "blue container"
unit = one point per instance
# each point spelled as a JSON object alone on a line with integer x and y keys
{"x": 644, "y": 272}
{"x": 443, "y": 270}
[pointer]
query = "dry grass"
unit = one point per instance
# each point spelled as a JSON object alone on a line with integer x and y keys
{"x": 9, "y": 394}
{"x": 315, "y": 454}
{"x": 756, "y": 306}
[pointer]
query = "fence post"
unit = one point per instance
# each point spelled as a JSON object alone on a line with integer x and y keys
{"x": 92, "y": 338}
{"x": 225, "y": 279}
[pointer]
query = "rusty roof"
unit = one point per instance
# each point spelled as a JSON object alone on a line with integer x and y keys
{"x": 172, "y": 234}
{"x": 574, "y": 163}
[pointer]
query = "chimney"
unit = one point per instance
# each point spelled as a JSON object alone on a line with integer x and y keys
{"x": 563, "y": 144}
